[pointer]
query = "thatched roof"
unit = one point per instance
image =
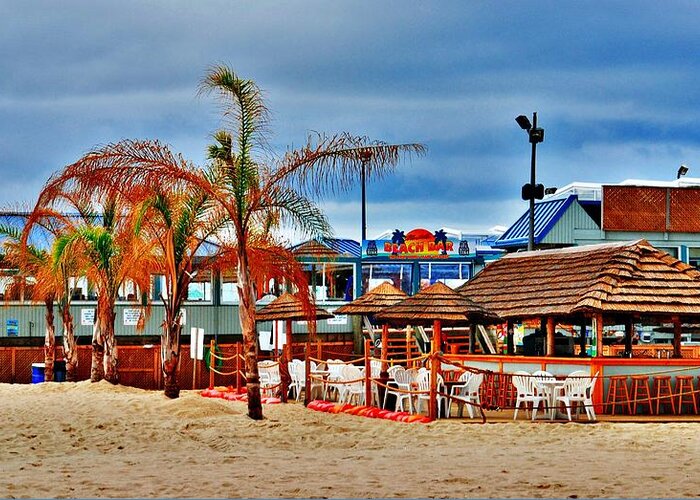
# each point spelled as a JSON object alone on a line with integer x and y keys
{"x": 377, "y": 299}
{"x": 438, "y": 301}
{"x": 625, "y": 278}
{"x": 287, "y": 306}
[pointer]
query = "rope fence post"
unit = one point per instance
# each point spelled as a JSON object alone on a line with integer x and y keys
{"x": 212, "y": 364}
{"x": 368, "y": 373}
{"x": 432, "y": 412}
{"x": 238, "y": 367}
{"x": 307, "y": 372}
{"x": 384, "y": 373}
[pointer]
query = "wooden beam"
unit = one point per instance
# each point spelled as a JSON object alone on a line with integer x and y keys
{"x": 509, "y": 338}
{"x": 598, "y": 334}
{"x": 550, "y": 335}
{"x": 437, "y": 334}
{"x": 582, "y": 337}
{"x": 629, "y": 328}
{"x": 677, "y": 329}
{"x": 472, "y": 337}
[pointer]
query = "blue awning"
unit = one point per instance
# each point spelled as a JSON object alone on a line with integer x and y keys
{"x": 547, "y": 214}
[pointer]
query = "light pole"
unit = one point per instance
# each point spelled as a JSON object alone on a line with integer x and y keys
{"x": 532, "y": 191}
{"x": 365, "y": 157}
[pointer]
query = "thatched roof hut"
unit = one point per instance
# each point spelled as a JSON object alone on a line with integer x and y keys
{"x": 629, "y": 278}
{"x": 436, "y": 302}
{"x": 289, "y": 307}
{"x": 374, "y": 301}
{"x": 614, "y": 282}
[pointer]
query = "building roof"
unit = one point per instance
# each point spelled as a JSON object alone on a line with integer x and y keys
{"x": 436, "y": 302}
{"x": 328, "y": 247}
{"x": 625, "y": 278}
{"x": 547, "y": 214}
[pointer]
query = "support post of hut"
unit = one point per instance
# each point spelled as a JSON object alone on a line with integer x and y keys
{"x": 212, "y": 364}
{"x": 289, "y": 336}
{"x": 677, "y": 329}
{"x": 285, "y": 377}
{"x": 408, "y": 345}
{"x": 384, "y": 373}
{"x": 368, "y": 373}
{"x": 598, "y": 335}
{"x": 550, "y": 336}
{"x": 432, "y": 409}
{"x": 307, "y": 371}
{"x": 319, "y": 349}
{"x": 582, "y": 338}
{"x": 628, "y": 337}
{"x": 437, "y": 334}
{"x": 238, "y": 367}
{"x": 509, "y": 338}
{"x": 472, "y": 337}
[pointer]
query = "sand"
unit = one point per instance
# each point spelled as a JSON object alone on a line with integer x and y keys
{"x": 97, "y": 440}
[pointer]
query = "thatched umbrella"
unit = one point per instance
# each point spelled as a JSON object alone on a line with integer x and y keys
{"x": 437, "y": 304}
{"x": 369, "y": 304}
{"x": 289, "y": 308}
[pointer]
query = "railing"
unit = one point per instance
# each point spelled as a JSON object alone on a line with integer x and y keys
{"x": 652, "y": 351}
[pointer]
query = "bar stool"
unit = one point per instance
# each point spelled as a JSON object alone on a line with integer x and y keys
{"x": 641, "y": 393}
{"x": 618, "y": 394}
{"x": 509, "y": 391}
{"x": 488, "y": 390}
{"x": 684, "y": 393}
{"x": 663, "y": 392}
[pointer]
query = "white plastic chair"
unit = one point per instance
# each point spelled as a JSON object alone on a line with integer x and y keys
{"x": 355, "y": 389}
{"x": 392, "y": 369}
{"x": 335, "y": 367}
{"x": 402, "y": 380}
{"x": 526, "y": 393}
{"x": 578, "y": 388}
{"x": 467, "y": 390}
{"x": 423, "y": 383}
{"x": 296, "y": 372}
{"x": 270, "y": 379}
{"x": 375, "y": 369}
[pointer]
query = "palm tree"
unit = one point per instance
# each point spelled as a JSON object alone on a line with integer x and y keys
{"x": 257, "y": 193}
{"x": 33, "y": 263}
{"x": 114, "y": 255}
{"x": 398, "y": 238}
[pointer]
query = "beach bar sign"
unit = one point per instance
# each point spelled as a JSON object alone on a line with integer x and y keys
{"x": 418, "y": 244}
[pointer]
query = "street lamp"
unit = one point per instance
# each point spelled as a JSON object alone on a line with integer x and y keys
{"x": 682, "y": 170}
{"x": 532, "y": 191}
{"x": 365, "y": 157}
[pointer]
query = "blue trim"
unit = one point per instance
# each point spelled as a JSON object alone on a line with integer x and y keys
{"x": 547, "y": 214}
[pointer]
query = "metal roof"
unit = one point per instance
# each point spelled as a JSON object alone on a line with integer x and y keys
{"x": 343, "y": 247}
{"x": 547, "y": 214}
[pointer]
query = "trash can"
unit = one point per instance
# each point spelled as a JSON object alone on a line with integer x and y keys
{"x": 59, "y": 370}
{"x": 38, "y": 372}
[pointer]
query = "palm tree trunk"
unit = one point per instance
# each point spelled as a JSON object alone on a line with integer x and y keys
{"x": 49, "y": 340}
{"x": 70, "y": 345}
{"x": 246, "y": 314}
{"x": 170, "y": 354}
{"x": 110, "y": 345}
{"x": 97, "y": 371}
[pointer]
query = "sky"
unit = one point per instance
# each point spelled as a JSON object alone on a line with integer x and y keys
{"x": 615, "y": 85}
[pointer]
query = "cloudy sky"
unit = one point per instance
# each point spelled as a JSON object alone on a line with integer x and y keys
{"x": 616, "y": 86}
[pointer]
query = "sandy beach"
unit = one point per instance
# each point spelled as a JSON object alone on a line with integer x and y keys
{"x": 98, "y": 440}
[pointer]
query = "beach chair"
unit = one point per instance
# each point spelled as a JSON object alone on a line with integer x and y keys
{"x": 526, "y": 393}
{"x": 578, "y": 388}
{"x": 354, "y": 385}
{"x": 402, "y": 380}
{"x": 467, "y": 390}
{"x": 423, "y": 383}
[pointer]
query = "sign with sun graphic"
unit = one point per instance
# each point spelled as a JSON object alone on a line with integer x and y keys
{"x": 417, "y": 244}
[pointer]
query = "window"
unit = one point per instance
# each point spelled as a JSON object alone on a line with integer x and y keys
{"x": 128, "y": 292}
{"x": 453, "y": 275}
{"x": 673, "y": 251}
{"x": 158, "y": 287}
{"x": 229, "y": 290}
{"x": 330, "y": 280}
{"x": 399, "y": 275}
{"x": 694, "y": 257}
{"x": 80, "y": 289}
{"x": 199, "y": 289}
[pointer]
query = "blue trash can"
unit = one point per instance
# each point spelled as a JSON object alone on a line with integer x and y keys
{"x": 38, "y": 372}
{"x": 59, "y": 371}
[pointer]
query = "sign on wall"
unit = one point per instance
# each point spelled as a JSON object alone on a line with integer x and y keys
{"x": 12, "y": 327}
{"x": 419, "y": 244}
{"x": 131, "y": 317}
{"x": 87, "y": 317}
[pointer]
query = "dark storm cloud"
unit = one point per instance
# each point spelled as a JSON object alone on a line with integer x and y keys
{"x": 614, "y": 84}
